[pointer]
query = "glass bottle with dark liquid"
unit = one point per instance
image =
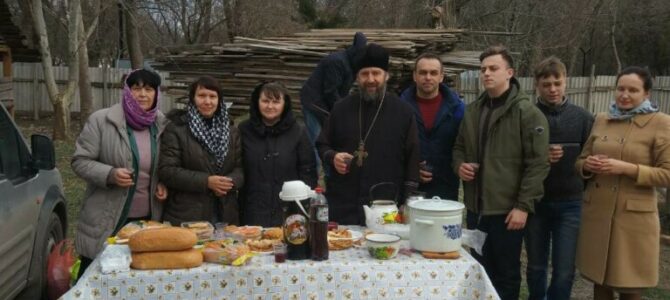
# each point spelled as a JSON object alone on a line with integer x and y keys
{"x": 296, "y": 234}
{"x": 318, "y": 226}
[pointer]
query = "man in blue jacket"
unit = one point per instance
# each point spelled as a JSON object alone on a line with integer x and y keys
{"x": 438, "y": 112}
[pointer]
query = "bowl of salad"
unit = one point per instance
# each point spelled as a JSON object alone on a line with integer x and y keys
{"x": 382, "y": 246}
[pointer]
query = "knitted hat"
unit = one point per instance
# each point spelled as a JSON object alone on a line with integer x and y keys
{"x": 374, "y": 56}
{"x": 359, "y": 40}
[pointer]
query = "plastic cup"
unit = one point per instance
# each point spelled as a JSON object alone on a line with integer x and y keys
{"x": 219, "y": 233}
{"x": 348, "y": 161}
{"x": 602, "y": 156}
{"x": 426, "y": 167}
{"x": 279, "y": 251}
{"x": 417, "y": 195}
{"x": 553, "y": 149}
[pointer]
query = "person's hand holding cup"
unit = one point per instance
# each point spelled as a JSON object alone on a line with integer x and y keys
{"x": 467, "y": 171}
{"x": 425, "y": 172}
{"x": 123, "y": 177}
{"x": 595, "y": 163}
{"x": 342, "y": 162}
{"x": 555, "y": 152}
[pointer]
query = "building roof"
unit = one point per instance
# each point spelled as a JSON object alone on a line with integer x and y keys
{"x": 12, "y": 37}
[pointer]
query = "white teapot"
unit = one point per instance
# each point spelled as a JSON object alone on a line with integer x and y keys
{"x": 381, "y": 211}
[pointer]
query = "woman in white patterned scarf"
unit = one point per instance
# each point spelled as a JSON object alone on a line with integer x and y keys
{"x": 201, "y": 159}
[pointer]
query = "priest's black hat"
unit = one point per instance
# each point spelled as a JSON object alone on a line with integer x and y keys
{"x": 373, "y": 55}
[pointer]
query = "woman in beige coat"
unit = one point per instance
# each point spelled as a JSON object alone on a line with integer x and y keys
{"x": 626, "y": 156}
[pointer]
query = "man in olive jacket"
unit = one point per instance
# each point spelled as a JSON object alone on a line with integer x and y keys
{"x": 501, "y": 156}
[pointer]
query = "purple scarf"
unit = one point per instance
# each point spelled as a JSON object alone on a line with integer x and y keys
{"x": 136, "y": 117}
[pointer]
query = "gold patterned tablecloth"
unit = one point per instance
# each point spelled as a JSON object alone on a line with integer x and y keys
{"x": 348, "y": 274}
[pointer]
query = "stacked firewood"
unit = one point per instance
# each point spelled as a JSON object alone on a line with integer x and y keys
{"x": 240, "y": 65}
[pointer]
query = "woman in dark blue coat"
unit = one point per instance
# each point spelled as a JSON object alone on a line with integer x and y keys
{"x": 275, "y": 149}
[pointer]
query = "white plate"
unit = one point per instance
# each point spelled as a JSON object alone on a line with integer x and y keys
{"x": 355, "y": 235}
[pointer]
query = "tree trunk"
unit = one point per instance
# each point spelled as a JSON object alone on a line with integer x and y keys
{"x": 230, "y": 12}
{"x": 85, "y": 92}
{"x": 132, "y": 36}
{"x": 207, "y": 21}
{"x": 27, "y": 22}
{"x": 617, "y": 59}
{"x": 61, "y": 121}
{"x": 60, "y": 101}
{"x": 451, "y": 21}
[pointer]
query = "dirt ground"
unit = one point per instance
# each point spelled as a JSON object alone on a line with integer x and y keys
{"x": 583, "y": 289}
{"x": 74, "y": 188}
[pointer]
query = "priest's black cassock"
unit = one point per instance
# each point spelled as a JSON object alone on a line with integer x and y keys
{"x": 392, "y": 148}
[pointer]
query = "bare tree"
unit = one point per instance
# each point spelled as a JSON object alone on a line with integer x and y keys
{"x": 187, "y": 22}
{"x": 85, "y": 92}
{"x": 617, "y": 59}
{"x": 60, "y": 100}
{"x": 132, "y": 35}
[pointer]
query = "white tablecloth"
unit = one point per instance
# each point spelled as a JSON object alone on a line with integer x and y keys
{"x": 348, "y": 274}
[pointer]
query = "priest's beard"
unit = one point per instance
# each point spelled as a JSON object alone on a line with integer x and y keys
{"x": 374, "y": 96}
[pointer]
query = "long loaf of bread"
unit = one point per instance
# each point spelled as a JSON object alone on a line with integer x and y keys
{"x": 166, "y": 259}
{"x": 162, "y": 239}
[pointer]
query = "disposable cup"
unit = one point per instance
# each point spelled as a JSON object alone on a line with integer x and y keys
{"x": 279, "y": 251}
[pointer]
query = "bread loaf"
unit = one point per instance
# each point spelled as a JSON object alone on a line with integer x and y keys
{"x": 166, "y": 259}
{"x": 162, "y": 239}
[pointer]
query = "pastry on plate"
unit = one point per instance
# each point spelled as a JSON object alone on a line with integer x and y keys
{"x": 273, "y": 233}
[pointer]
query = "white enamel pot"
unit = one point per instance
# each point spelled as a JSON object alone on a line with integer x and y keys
{"x": 435, "y": 225}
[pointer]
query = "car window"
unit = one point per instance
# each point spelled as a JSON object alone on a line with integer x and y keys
{"x": 13, "y": 152}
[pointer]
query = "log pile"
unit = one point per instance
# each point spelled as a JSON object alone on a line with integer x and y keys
{"x": 290, "y": 59}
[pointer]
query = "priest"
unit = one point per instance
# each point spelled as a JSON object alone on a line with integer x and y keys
{"x": 369, "y": 138}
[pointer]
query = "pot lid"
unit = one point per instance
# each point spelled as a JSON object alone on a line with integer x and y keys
{"x": 437, "y": 205}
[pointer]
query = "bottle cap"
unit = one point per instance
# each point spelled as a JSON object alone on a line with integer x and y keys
{"x": 318, "y": 190}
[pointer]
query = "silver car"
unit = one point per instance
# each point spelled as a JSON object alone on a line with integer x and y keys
{"x": 32, "y": 211}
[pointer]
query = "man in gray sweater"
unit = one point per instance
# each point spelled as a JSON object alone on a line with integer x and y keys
{"x": 557, "y": 215}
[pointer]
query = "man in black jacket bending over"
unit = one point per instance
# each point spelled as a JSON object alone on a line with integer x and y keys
{"x": 330, "y": 81}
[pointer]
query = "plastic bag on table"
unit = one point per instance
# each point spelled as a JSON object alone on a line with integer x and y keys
{"x": 115, "y": 258}
{"x": 474, "y": 239}
{"x": 401, "y": 230}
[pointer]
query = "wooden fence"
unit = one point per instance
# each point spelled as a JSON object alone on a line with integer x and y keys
{"x": 593, "y": 93}
{"x": 30, "y": 94}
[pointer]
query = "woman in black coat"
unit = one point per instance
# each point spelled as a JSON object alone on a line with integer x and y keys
{"x": 275, "y": 149}
{"x": 200, "y": 160}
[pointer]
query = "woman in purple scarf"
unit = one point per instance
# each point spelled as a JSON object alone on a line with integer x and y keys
{"x": 117, "y": 155}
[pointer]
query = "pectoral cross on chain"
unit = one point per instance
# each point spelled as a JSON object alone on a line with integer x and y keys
{"x": 360, "y": 154}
